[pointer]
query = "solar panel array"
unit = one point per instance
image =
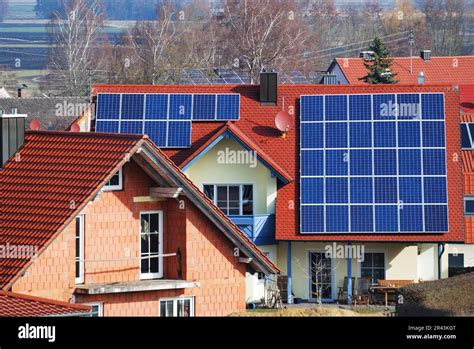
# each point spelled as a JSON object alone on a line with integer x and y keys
{"x": 373, "y": 163}
{"x": 165, "y": 118}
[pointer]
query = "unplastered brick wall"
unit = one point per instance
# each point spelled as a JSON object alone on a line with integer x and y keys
{"x": 210, "y": 260}
{"x": 131, "y": 303}
{"x": 52, "y": 275}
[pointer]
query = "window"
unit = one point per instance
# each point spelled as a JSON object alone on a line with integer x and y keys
{"x": 469, "y": 205}
{"x": 233, "y": 200}
{"x": 373, "y": 266}
{"x": 115, "y": 182}
{"x": 177, "y": 307}
{"x": 151, "y": 247}
{"x": 455, "y": 264}
{"x": 467, "y": 135}
{"x": 97, "y": 309}
{"x": 80, "y": 249}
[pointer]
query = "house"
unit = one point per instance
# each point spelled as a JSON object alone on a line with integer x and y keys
{"x": 289, "y": 191}
{"x": 108, "y": 221}
{"x": 431, "y": 70}
{"x": 20, "y": 305}
{"x": 53, "y": 113}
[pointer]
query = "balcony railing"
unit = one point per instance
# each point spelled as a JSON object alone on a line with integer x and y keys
{"x": 259, "y": 228}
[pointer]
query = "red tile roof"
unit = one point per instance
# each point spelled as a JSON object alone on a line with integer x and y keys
{"x": 55, "y": 175}
{"x": 466, "y": 95}
{"x": 257, "y": 124}
{"x": 20, "y": 305}
{"x": 438, "y": 70}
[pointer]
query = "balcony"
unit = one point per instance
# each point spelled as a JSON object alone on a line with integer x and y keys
{"x": 259, "y": 228}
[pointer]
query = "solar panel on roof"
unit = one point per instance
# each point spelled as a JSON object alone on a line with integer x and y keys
{"x": 165, "y": 118}
{"x": 373, "y": 163}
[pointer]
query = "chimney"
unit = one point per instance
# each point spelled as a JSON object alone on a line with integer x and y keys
{"x": 19, "y": 88}
{"x": 425, "y": 55}
{"x": 12, "y": 136}
{"x": 421, "y": 78}
{"x": 330, "y": 79}
{"x": 268, "y": 88}
{"x": 367, "y": 55}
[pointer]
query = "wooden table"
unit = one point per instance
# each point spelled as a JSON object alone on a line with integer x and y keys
{"x": 384, "y": 289}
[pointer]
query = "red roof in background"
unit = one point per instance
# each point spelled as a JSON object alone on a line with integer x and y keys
{"x": 438, "y": 70}
{"x": 55, "y": 176}
{"x": 20, "y": 305}
{"x": 466, "y": 95}
{"x": 257, "y": 124}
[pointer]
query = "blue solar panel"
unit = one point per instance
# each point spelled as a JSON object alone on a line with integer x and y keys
{"x": 360, "y": 134}
{"x": 386, "y": 218}
{"x": 107, "y": 126}
{"x": 360, "y": 107}
{"x": 156, "y": 107}
{"x": 156, "y": 130}
{"x": 228, "y": 107}
{"x": 132, "y": 106}
{"x": 336, "y": 108}
{"x": 179, "y": 134}
{"x": 312, "y": 108}
{"x": 165, "y": 118}
{"x": 361, "y": 190}
{"x": 432, "y": 106}
{"x": 373, "y": 163}
{"x": 108, "y": 106}
{"x": 336, "y": 162}
{"x": 131, "y": 127}
{"x": 180, "y": 107}
{"x": 362, "y": 218}
{"x": 204, "y": 107}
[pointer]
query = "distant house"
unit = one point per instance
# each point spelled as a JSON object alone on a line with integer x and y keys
{"x": 20, "y": 305}
{"x": 434, "y": 70}
{"x": 54, "y": 113}
{"x": 115, "y": 225}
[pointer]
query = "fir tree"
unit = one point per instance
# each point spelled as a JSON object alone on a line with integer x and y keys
{"x": 379, "y": 69}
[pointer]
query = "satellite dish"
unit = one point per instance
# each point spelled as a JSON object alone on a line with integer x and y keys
{"x": 75, "y": 128}
{"x": 35, "y": 125}
{"x": 284, "y": 122}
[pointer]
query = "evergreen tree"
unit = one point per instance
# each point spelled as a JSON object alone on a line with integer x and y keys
{"x": 379, "y": 68}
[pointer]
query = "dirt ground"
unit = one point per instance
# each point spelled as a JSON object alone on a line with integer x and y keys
{"x": 308, "y": 312}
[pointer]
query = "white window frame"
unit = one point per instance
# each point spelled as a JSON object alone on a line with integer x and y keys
{"x": 148, "y": 276}
{"x": 240, "y": 185}
{"x": 80, "y": 279}
{"x": 468, "y": 198}
{"x": 100, "y": 305}
{"x": 108, "y": 187}
{"x": 175, "y": 304}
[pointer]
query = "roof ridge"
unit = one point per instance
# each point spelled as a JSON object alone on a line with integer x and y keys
{"x": 86, "y": 134}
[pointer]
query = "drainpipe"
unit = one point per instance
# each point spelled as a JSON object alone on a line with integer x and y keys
{"x": 440, "y": 255}
{"x": 349, "y": 274}
{"x": 288, "y": 267}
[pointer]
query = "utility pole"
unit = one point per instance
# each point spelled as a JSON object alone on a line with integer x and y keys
{"x": 411, "y": 41}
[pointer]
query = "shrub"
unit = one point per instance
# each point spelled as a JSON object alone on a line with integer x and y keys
{"x": 447, "y": 297}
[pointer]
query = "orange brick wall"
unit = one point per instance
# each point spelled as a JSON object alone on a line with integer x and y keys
{"x": 112, "y": 224}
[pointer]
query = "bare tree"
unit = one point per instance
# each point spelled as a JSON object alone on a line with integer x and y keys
{"x": 265, "y": 33}
{"x": 75, "y": 57}
{"x": 445, "y": 23}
